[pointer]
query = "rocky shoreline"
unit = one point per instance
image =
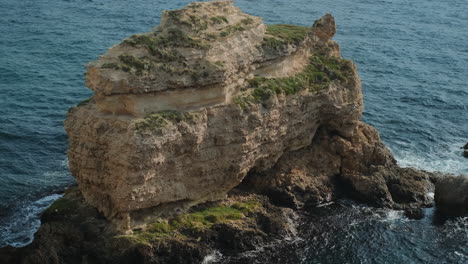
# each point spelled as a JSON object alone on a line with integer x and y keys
{"x": 218, "y": 133}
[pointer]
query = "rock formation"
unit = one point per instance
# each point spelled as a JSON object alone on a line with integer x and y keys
{"x": 451, "y": 195}
{"x": 182, "y": 114}
{"x": 210, "y": 133}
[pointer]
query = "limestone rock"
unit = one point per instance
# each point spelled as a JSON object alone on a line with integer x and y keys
{"x": 451, "y": 195}
{"x": 82, "y": 235}
{"x": 325, "y": 27}
{"x": 359, "y": 165}
{"x": 155, "y": 162}
{"x": 182, "y": 114}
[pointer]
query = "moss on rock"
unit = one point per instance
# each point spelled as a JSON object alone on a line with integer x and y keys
{"x": 194, "y": 222}
{"x": 157, "y": 121}
{"x": 317, "y": 75}
{"x": 280, "y": 35}
{"x": 219, "y": 19}
{"x": 60, "y": 209}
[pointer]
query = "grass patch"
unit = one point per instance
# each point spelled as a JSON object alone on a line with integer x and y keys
{"x": 219, "y": 63}
{"x": 139, "y": 65}
{"x": 317, "y": 75}
{"x": 111, "y": 65}
{"x": 219, "y": 20}
{"x": 157, "y": 43}
{"x": 281, "y": 35}
{"x": 194, "y": 222}
{"x": 60, "y": 209}
{"x": 194, "y": 22}
{"x": 247, "y": 21}
{"x": 231, "y": 29}
{"x": 157, "y": 121}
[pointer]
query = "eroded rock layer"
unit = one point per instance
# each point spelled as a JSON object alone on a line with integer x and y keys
{"x": 182, "y": 114}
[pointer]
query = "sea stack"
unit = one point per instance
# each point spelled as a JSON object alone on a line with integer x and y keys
{"x": 214, "y": 132}
{"x": 182, "y": 114}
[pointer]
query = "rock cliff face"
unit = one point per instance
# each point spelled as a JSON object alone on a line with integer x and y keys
{"x": 212, "y": 132}
{"x": 181, "y": 115}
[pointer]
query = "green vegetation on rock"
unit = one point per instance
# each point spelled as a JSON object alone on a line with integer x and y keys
{"x": 317, "y": 75}
{"x": 131, "y": 62}
{"x": 61, "y": 208}
{"x": 85, "y": 102}
{"x": 156, "y": 121}
{"x": 156, "y": 43}
{"x": 194, "y": 22}
{"x": 281, "y": 35}
{"x": 231, "y": 29}
{"x": 247, "y": 21}
{"x": 219, "y": 19}
{"x": 194, "y": 222}
{"x": 111, "y": 65}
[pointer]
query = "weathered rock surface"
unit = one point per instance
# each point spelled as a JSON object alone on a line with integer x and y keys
{"x": 74, "y": 232}
{"x": 360, "y": 166}
{"x": 451, "y": 195}
{"x": 210, "y": 133}
{"x": 132, "y": 167}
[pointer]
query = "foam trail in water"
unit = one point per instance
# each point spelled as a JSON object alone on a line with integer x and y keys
{"x": 18, "y": 228}
{"x": 447, "y": 164}
{"x": 212, "y": 258}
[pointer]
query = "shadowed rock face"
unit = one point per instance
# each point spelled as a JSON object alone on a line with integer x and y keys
{"x": 451, "y": 195}
{"x": 182, "y": 114}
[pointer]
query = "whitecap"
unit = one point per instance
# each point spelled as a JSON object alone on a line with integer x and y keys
{"x": 213, "y": 257}
{"x": 18, "y": 228}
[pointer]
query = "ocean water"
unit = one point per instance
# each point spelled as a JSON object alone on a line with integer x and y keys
{"x": 412, "y": 57}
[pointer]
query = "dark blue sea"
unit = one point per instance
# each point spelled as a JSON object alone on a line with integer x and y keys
{"x": 412, "y": 57}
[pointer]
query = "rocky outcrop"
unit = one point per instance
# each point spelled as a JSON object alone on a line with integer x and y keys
{"x": 285, "y": 83}
{"x": 181, "y": 115}
{"x": 360, "y": 166}
{"x": 465, "y": 150}
{"x": 74, "y": 232}
{"x": 213, "y": 132}
{"x": 451, "y": 195}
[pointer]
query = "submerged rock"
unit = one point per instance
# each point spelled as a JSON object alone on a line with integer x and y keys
{"x": 451, "y": 195}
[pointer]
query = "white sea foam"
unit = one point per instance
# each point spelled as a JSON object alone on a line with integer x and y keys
{"x": 18, "y": 229}
{"x": 442, "y": 162}
{"x": 213, "y": 257}
{"x": 390, "y": 216}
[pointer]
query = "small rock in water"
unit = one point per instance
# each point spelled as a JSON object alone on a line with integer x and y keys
{"x": 416, "y": 214}
{"x": 451, "y": 195}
